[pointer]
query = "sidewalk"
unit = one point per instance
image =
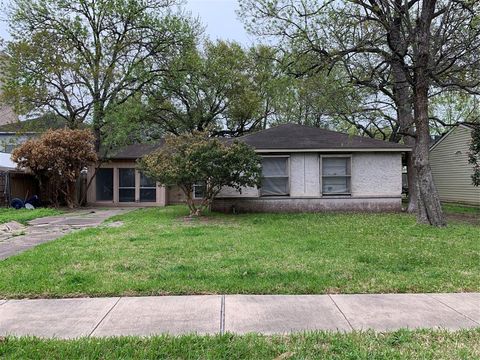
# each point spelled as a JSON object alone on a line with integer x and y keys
{"x": 217, "y": 314}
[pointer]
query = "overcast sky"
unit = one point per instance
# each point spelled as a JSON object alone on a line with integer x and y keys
{"x": 218, "y": 16}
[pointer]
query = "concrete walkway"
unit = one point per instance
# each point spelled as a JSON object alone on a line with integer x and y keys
{"x": 50, "y": 228}
{"x": 217, "y": 314}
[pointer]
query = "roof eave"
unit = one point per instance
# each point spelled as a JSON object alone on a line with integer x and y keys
{"x": 332, "y": 150}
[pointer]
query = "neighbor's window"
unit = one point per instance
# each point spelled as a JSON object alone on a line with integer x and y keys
{"x": 9, "y": 148}
{"x": 336, "y": 175}
{"x": 104, "y": 184}
{"x": 198, "y": 191}
{"x": 274, "y": 176}
{"x": 148, "y": 189}
{"x": 126, "y": 185}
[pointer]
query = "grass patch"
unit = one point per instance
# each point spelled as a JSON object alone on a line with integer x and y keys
{"x": 403, "y": 344}
{"x": 23, "y": 215}
{"x": 156, "y": 252}
{"x": 451, "y": 208}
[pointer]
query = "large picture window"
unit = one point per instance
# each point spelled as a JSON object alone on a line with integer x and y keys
{"x": 126, "y": 185}
{"x": 336, "y": 173}
{"x": 148, "y": 189}
{"x": 274, "y": 176}
{"x": 104, "y": 184}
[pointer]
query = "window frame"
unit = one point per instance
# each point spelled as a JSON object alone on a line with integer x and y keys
{"x": 348, "y": 176}
{"x": 140, "y": 188}
{"x": 288, "y": 176}
{"x": 194, "y": 196}
{"x": 134, "y": 187}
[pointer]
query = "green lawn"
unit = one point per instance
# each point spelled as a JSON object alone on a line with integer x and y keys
{"x": 157, "y": 251}
{"x": 423, "y": 344}
{"x": 24, "y": 215}
{"x": 451, "y": 208}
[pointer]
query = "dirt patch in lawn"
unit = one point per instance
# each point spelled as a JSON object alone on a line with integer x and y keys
{"x": 203, "y": 220}
{"x": 472, "y": 219}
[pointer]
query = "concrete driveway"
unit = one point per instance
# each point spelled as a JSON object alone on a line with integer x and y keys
{"x": 50, "y": 228}
{"x": 218, "y": 314}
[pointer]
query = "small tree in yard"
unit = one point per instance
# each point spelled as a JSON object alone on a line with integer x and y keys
{"x": 474, "y": 156}
{"x": 56, "y": 159}
{"x": 191, "y": 159}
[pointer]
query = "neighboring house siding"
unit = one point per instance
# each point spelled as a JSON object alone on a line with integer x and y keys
{"x": 377, "y": 174}
{"x": 7, "y": 115}
{"x": 451, "y": 170}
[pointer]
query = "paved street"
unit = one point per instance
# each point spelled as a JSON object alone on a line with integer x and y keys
{"x": 50, "y": 228}
{"x": 215, "y": 314}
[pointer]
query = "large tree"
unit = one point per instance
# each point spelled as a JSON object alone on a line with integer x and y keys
{"x": 80, "y": 59}
{"x": 219, "y": 87}
{"x": 419, "y": 46}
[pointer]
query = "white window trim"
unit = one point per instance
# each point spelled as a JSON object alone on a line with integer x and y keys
{"x": 193, "y": 192}
{"x": 349, "y": 156}
{"x": 288, "y": 175}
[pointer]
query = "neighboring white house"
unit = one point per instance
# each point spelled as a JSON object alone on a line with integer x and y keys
{"x": 451, "y": 171}
{"x": 304, "y": 169}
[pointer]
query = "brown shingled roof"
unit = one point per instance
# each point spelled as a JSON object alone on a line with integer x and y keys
{"x": 300, "y": 137}
{"x": 287, "y": 137}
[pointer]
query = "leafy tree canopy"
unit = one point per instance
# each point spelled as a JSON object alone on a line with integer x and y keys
{"x": 80, "y": 59}
{"x": 221, "y": 88}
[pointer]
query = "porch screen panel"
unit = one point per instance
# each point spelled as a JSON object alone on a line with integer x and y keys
{"x": 148, "y": 189}
{"x": 126, "y": 185}
{"x": 336, "y": 175}
{"x": 104, "y": 185}
{"x": 275, "y": 176}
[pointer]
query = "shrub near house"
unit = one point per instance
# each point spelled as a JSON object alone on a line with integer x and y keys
{"x": 192, "y": 159}
{"x": 56, "y": 159}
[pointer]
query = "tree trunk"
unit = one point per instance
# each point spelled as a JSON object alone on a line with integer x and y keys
{"x": 70, "y": 195}
{"x": 412, "y": 183}
{"x": 429, "y": 206}
{"x": 402, "y": 92}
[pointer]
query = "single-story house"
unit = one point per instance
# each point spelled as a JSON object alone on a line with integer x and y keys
{"x": 452, "y": 173}
{"x": 304, "y": 169}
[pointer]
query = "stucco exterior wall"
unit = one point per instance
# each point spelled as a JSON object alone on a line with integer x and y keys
{"x": 246, "y": 192}
{"x": 451, "y": 170}
{"x": 372, "y": 174}
{"x": 376, "y": 184}
{"x": 376, "y": 174}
